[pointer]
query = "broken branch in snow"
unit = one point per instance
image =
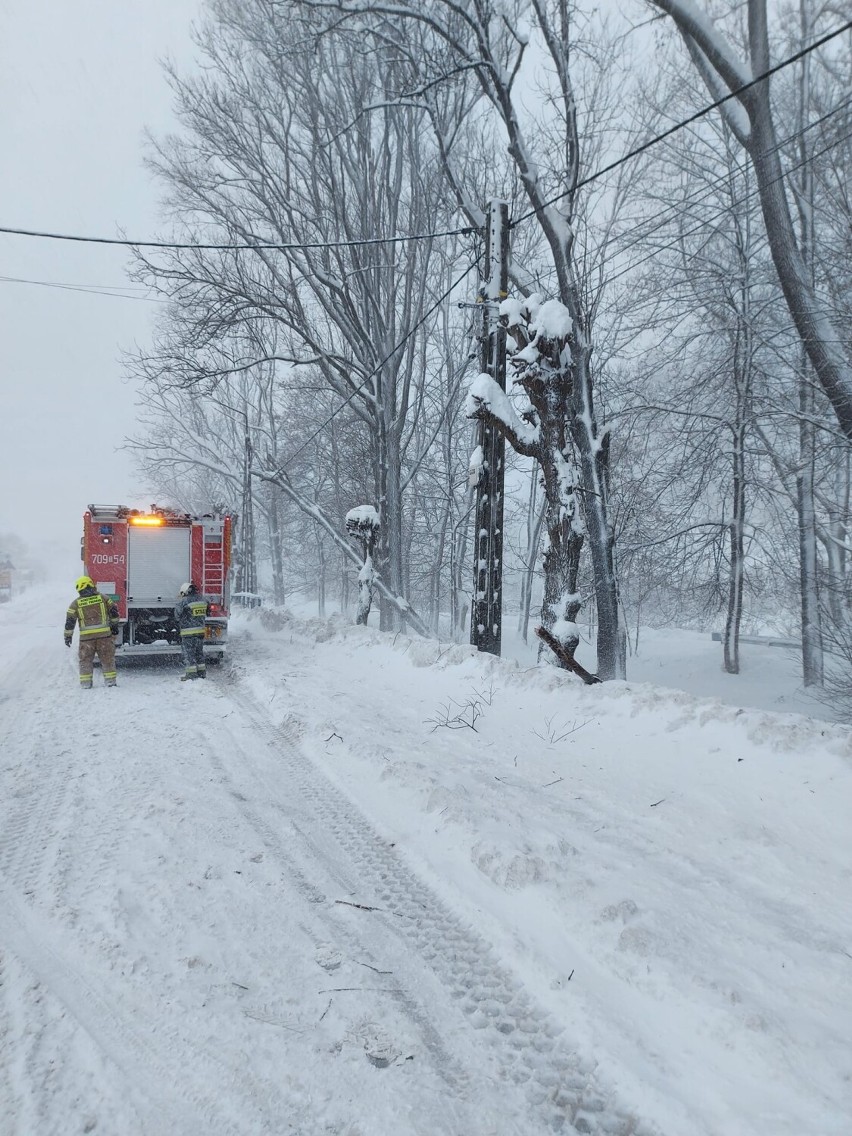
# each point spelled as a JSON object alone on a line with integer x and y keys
{"x": 568, "y": 662}
{"x": 466, "y": 718}
{"x": 553, "y": 735}
{"x": 360, "y": 906}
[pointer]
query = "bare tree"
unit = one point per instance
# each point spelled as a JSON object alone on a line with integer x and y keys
{"x": 446, "y": 42}
{"x": 750, "y": 117}
{"x": 334, "y": 211}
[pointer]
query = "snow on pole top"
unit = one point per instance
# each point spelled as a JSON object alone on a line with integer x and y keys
{"x": 547, "y": 319}
{"x": 552, "y": 321}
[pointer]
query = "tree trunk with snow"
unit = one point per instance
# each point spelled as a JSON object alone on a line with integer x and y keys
{"x": 364, "y": 526}
{"x": 535, "y": 523}
{"x": 541, "y": 360}
{"x": 731, "y": 639}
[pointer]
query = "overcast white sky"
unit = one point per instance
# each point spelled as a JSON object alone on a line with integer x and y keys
{"x": 79, "y": 83}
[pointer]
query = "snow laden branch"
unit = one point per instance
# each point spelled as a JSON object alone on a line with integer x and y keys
{"x": 400, "y": 604}
{"x": 488, "y": 402}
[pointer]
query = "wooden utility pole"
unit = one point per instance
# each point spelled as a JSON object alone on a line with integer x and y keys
{"x": 486, "y": 610}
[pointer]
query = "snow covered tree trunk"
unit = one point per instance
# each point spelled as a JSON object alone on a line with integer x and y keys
{"x": 459, "y": 593}
{"x": 731, "y": 646}
{"x": 743, "y": 355}
{"x": 535, "y": 523}
{"x": 279, "y": 590}
{"x": 363, "y": 524}
{"x": 836, "y": 547}
{"x": 542, "y": 360}
{"x": 594, "y": 463}
{"x": 321, "y": 581}
{"x": 812, "y": 656}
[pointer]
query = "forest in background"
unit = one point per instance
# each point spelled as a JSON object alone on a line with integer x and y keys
{"x": 677, "y": 445}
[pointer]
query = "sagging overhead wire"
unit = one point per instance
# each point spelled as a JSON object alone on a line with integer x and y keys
{"x": 722, "y": 212}
{"x": 461, "y": 231}
{"x": 686, "y": 122}
{"x": 117, "y": 291}
{"x": 638, "y": 234}
{"x": 259, "y": 245}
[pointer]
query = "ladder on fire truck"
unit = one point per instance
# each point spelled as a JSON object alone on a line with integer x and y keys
{"x": 213, "y": 561}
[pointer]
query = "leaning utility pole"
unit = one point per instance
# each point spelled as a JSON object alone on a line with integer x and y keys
{"x": 486, "y": 609}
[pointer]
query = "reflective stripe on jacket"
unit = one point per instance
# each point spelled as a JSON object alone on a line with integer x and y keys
{"x": 96, "y": 615}
{"x": 190, "y": 614}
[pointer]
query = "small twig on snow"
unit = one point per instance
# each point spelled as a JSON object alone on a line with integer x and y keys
{"x": 375, "y": 968}
{"x": 367, "y": 989}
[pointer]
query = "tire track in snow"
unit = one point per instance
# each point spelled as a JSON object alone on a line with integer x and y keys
{"x": 283, "y": 846}
{"x": 175, "y": 1084}
{"x": 563, "y": 1090}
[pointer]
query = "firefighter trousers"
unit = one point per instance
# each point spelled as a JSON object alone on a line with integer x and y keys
{"x": 102, "y": 647}
{"x": 193, "y": 656}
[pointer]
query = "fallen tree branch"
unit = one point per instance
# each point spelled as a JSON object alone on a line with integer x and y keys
{"x": 567, "y": 661}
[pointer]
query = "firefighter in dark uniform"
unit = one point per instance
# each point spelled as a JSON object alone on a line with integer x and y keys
{"x": 190, "y": 614}
{"x": 98, "y": 618}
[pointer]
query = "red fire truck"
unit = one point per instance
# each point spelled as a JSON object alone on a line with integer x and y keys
{"x": 141, "y": 559}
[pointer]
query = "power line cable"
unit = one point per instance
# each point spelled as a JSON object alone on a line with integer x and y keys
{"x": 704, "y": 192}
{"x": 707, "y": 190}
{"x": 464, "y": 231}
{"x": 686, "y": 121}
{"x": 694, "y": 198}
{"x": 87, "y": 289}
{"x": 722, "y": 212}
{"x": 256, "y": 245}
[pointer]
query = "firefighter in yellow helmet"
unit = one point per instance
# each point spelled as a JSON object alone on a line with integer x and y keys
{"x": 98, "y": 619}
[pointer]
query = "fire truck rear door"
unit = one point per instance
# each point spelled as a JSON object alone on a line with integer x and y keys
{"x": 157, "y": 563}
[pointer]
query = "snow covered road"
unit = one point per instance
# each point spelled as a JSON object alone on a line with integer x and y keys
{"x": 290, "y": 900}
{"x": 200, "y": 934}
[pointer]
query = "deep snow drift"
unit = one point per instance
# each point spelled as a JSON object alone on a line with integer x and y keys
{"x": 375, "y": 886}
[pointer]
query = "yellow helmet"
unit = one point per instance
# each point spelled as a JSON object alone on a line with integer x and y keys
{"x": 84, "y": 582}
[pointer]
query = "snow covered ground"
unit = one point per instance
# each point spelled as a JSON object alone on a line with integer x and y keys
{"x": 378, "y": 886}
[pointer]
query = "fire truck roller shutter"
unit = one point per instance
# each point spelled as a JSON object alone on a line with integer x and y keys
{"x": 157, "y": 563}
